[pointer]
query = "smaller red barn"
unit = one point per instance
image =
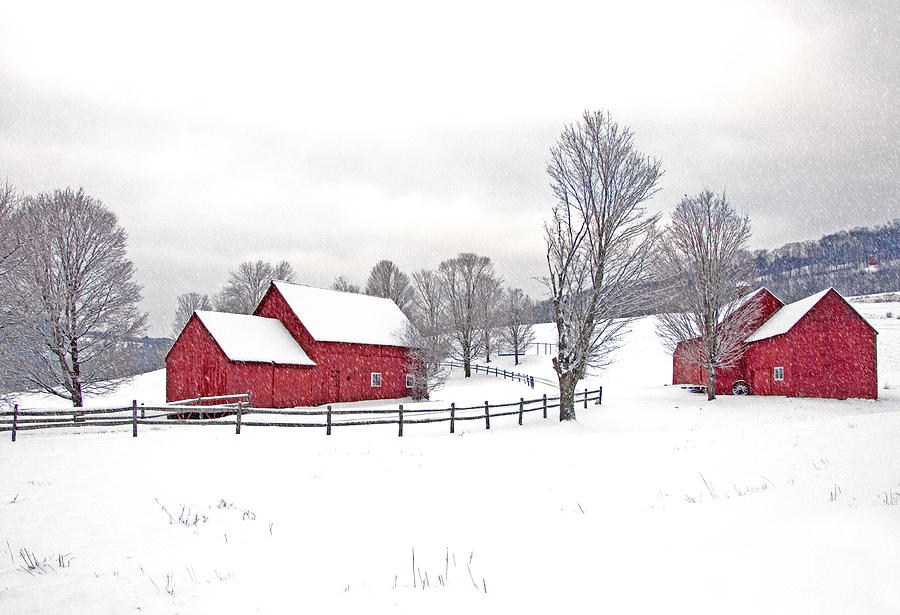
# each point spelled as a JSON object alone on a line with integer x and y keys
{"x": 302, "y": 346}
{"x": 815, "y": 347}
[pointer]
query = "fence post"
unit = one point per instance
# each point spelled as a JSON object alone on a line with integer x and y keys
{"x": 143, "y": 412}
{"x": 599, "y": 395}
{"x": 400, "y": 414}
{"x": 134, "y": 418}
{"x": 15, "y": 421}
{"x": 521, "y": 407}
{"x": 487, "y": 415}
{"x": 453, "y": 417}
{"x": 249, "y": 400}
{"x": 328, "y": 422}
{"x": 545, "y": 405}
{"x": 585, "y": 399}
{"x": 532, "y": 382}
{"x": 237, "y": 421}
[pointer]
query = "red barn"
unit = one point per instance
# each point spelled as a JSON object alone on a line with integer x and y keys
{"x": 302, "y": 346}
{"x": 816, "y": 347}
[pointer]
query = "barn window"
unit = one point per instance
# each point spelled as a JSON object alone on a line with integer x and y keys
{"x": 376, "y": 379}
{"x": 779, "y": 373}
{"x": 410, "y": 381}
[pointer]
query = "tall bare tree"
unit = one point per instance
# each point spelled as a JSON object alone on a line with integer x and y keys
{"x": 188, "y": 303}
{"x": 387, "y": 281}
{"x": 599, "y": 240}
{"x": 461, "y": 277}
{"x": 428, "y": 335}
{"x": 248, "y": 283}
{"x": 517, "y": 329}
{"x": 489, "y": 294}
{"x": 704, "y": 256}
{"x": 344, "y": 285}
{"x": 75, "y": 293}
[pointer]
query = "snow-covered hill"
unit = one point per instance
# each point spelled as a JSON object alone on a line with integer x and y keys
{"x": 656, "y": 501}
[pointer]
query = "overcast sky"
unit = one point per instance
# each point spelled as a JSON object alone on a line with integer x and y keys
{"x": 335, "y": 134}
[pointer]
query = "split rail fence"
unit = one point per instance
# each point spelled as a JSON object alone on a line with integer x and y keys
{"x": 241, "y": 414}
{"x": 497, "y": 373}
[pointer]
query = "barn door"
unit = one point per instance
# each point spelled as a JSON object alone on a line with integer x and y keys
{"x": 334, "y": 386}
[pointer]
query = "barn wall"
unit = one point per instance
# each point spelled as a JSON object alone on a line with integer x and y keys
{"x": 271, "y": 386}
{"x": 830, "y": 352}
{"x": 342, "y": 371}
{"x": 685, "y": 371}
{"x": 195, "y": 365}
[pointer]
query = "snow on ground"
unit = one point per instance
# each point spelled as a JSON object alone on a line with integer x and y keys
{"x": 656, "y": 501}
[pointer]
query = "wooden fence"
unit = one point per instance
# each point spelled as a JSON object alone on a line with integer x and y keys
{"x": 493, "y": 371}
{"x": 22, "y": 419}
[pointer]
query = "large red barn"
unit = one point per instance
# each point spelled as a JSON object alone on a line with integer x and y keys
{"x": 818, "y": 346}
{"x": 302, "y": 346}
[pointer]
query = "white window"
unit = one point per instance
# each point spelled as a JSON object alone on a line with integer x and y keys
{"x": 779, "y": 373}
{"x": 376, "y": 379}
{"x": 410, "y": 381}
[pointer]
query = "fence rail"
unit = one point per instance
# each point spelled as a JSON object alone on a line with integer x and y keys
{"x": 497, "y": 373}
{"x": 23, "y": 419}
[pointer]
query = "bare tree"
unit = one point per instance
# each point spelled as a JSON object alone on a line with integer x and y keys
{"x": 489, "y": 293}
{"x": 188, "y": 303}
{"x": 517, "y": 330}
{"x": 76, "y": 296}
{"x": 599, "y": 240}
{"x": 387, "y": 281}
{"x": 704, "y": 255}
{"x": 344, "y": 285}
{"x": 428, "y": 335}
{"x": 11, "y": 255}
{"x": 462, "y": 277}
{"x": 248, "y": 283}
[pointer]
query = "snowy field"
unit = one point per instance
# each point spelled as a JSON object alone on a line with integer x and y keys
{"x": 656, "y": 501}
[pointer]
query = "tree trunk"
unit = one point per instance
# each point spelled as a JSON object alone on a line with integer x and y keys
{"x": 710, "y": 383}
{"x": 467, "y": 365}
{"x": 516, "y": 352}
{"x": 77, "y": 399}
{"x": 567, "y": 384}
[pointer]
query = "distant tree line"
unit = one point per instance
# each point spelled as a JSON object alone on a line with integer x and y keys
{"x": 855, "y": 262}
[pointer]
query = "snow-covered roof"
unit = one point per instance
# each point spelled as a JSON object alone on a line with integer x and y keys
{"x": 335, "y": 316}
{"x": 253, "y": 338}
{"x": 786, "y": 317}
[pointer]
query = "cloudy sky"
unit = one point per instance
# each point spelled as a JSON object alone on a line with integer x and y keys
{"x": 335, "y": 134}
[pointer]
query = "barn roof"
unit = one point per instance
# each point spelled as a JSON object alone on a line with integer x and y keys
{"x": 786, "y": 317}
{"x": 335, "y": 316}
{"x": 253, "y": 338}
